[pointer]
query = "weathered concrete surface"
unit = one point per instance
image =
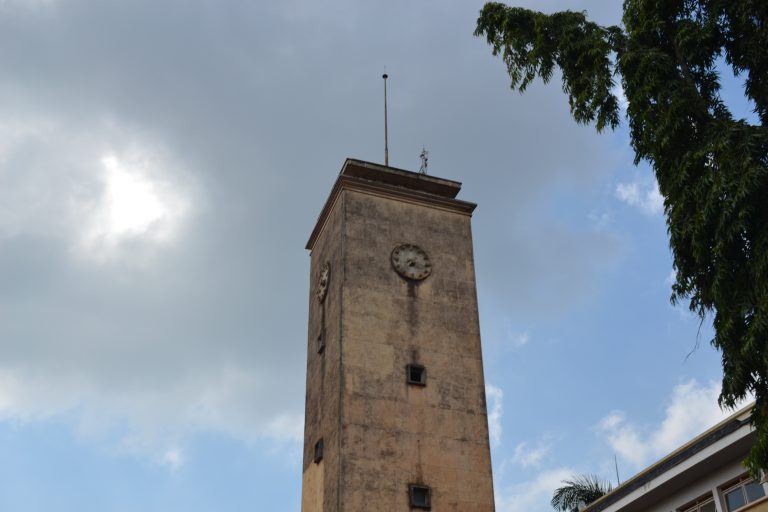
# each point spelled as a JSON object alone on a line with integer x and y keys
{"x": 312, "y": 488}
{"x": 381, "y": 433}
{"x": 323, "y": 399}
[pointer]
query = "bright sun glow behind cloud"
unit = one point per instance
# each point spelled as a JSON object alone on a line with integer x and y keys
{"x": 132, "y": 203}
{"x": 134, "y": 206}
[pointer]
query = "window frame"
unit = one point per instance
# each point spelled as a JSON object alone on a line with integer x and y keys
{"x": 411, "y": 493}
{"x": 695, "y": 505}
{"x": 409, "y": 380}
{"x": 740, "y": 483}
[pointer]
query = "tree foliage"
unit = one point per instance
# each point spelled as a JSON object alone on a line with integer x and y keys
{"x": 712, "y": 169}
{"x": 581, "y": 490}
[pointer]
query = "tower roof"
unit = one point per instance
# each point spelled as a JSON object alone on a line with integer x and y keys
{"x": 391, "y": 182}
{"x": 400, "y": 178}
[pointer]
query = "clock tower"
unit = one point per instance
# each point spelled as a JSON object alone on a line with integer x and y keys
{"x": 395, "y": 416}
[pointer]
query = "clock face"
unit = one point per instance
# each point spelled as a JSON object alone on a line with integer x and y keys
{"x": 322, "y": 282}
{"x": 411, "y": 262}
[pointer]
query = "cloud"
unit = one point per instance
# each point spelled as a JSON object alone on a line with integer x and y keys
{"x": 496, "y": 399}
{"x": 135, "y": 205}
{"x": 530, "y": 457}
{"x": 517, "y": 340}
{"x": 166, "y": 452}
{"x": 126, "y": 305}
{"x": 157, "y": 187}
{"x": 173, "y": 458}
{"x": 140, "y": 421}
{"x": 618, "y": 91}
{"x": 533, "y": 495}
{"x": 25, "y": 4}
{"x": 647, "y": 198}
{"x": 100, "y": 188}
{"x": 691, "y": 410}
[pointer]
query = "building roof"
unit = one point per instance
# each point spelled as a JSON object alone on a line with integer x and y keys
{"x": 729, "y": 439}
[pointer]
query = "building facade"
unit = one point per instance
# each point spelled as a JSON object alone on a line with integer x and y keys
{"x": 704, "y": 475}
{"x": 395, "y": 415}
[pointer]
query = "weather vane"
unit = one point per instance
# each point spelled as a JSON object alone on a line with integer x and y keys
{"x": 424, "y": 160}
{"x": 386, "y": 140}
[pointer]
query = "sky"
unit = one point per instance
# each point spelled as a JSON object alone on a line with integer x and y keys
{"x": 162, "y": 164}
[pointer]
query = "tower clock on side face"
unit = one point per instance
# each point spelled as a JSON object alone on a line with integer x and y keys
{"x": 322, "y": 282}
{"x": 411, "y": 262}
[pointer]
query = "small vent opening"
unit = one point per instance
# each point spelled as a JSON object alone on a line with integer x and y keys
{"x": 421, "y": 496}
{"x": 416, "y": 374}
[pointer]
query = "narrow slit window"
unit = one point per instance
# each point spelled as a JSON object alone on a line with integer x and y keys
{"x": 420, "y": 496}
{"x": 416, "y": 374}
{"x": 320, "y": 342}
{"x": 318, "y": 451}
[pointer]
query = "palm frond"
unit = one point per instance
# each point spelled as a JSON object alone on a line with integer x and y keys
{"x": 580, "y": 490}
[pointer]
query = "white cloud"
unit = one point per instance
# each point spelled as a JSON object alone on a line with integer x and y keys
{"x": 618, "y": 91}
{"x": 172, "y": 458}
{"x": 628, "y": 192}
{"x": 123, "y": 313}
{"x": 135, "y": 205}
{"x": 518, "y": 340}
{"x": 148, "y": 423}
{"x": 646, "y": 197}
{"x": 108, "y": 192}
{"x": 206, "y": 337}
{"x": 496, "y": 398}
{"x": 286, "y": 427}
{"x": 514, "y": 337}
{"x": 526, "y": 456}
{"x": 692, "y": 409}
{"x": 533, "y": 495}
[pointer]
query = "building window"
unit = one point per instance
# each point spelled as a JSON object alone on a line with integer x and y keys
{"x": 320, "y": 342}
{"x": 318, "y": 451}
{"x": 416, "y": 374}
{"x": 703, "y": 504}
{"x": 742, "y": 492}
{"x": 420, "y": 496}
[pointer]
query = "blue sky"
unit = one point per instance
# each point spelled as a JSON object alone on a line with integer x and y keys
{"x": 161, "y": 167}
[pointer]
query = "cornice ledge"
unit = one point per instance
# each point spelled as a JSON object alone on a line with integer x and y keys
{"x": 384, "y": 190}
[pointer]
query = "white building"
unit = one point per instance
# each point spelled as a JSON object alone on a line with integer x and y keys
{"x": 704, "y": 475}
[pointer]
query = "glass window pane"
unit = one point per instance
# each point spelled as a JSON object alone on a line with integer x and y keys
{"x": 754, "y": 491}
{"x": 735, "y": 499}
{"x": 708, "y": 507}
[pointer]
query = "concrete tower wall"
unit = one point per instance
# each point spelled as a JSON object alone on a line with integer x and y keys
{"x": 381, "y": 433}
{"x": 322, "y": 416}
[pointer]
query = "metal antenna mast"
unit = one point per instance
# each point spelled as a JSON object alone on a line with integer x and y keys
{"x": 386, "y": 135}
